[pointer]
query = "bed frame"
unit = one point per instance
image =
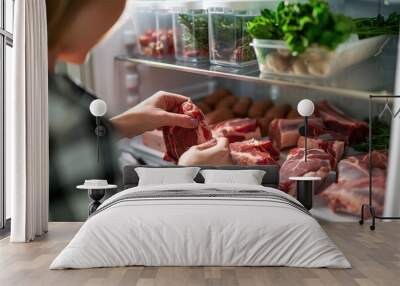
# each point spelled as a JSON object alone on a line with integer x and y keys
{"x": 271, "y": 177}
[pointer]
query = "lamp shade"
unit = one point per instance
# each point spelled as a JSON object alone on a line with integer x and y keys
{"x": 98, "y": 107}
{"x": 305, "y": 107}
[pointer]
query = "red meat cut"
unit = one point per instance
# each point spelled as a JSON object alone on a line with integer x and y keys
{"x": 254, "y": 152}
{"x": 238, "y": 129}
{"x": 333, "y": 147}
{"x": 178, "y": 140}
{"x": 337, "y": 120}
{"x": 349, "y": 196}
{"x": 319, "y": 163}
{"x": 284, "y": 133}
{"x": 352, "y": 189}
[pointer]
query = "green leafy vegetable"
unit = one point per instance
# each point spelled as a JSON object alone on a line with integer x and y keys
{"x": 194, "y": 34}
{"x": 301, "y": 25}
{"x": 380, "y": 137}
{"x": 231, "y": 38}
{"x": 375, "y": 26}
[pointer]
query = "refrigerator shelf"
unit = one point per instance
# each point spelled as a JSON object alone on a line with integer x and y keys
{"x": 374, "y": 76}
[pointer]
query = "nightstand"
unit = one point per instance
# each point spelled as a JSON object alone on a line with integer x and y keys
{"x": 305, "y": 190}
{"x": 95, "y": 193}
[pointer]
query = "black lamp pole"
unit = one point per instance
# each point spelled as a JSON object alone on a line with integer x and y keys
{"x": 305, "y": 137}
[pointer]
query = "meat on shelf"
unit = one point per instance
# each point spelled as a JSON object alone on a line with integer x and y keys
{"x": 254, "y": 152}
{"x": 319, "y": 163}
{"x": 245, "y": 122}
{"x": 238, "y": 129}
{"x": 352, "y": 187}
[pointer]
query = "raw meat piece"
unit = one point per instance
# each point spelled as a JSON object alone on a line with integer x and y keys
{"x": 335, "y": 147}
{"x": 336, "y": 120}
{"x": 154, "y": 139}
{"x": 352, "y": 189}
{"x": 319, "y": 163}
{"x": 254, "y": 152}
{"x": 237, "y": 129}
{"x": 354, "y": 168}
{"x": 348, "y": 196}
{"x": 284, "y": 133}
{"x": 379, "y": 159}
{"x": 351, "y": 169}
{"x": 178, "y": 140}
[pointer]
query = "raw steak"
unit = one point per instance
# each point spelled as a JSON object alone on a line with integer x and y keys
{"x": 333, "y": 147}
{"x": 154, "y": 139}
{"x": 352, "y": 189}
{"x": 254, "y": 152}
{"x": 237, "y": 129}
{"x": 379, "y": 159}
{"x": 178, "y": 140}
{"x": 319, "y": 163}
{"x": 284, "y": 133}
{"x": 336, "y": 120}
{"x": 348, "y": 196}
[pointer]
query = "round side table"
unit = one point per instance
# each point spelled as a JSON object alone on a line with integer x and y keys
{"x": 305, "y": 190}
{"x": 95, "y": 193}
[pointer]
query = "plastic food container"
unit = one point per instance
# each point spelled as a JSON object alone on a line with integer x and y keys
{"x": 274, "y": 57}
{"x": 190, "y": 26}
{"x": 229, "y": 39}
{"x": 153, "y": 25}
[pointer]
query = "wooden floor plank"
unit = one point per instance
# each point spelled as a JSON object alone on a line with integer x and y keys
{"x": 375, "y": 257}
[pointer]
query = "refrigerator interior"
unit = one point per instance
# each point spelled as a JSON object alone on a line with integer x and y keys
{"x": 123, "y": 83}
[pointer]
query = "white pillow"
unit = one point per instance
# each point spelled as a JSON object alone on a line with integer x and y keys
{"x": 166, "y": 176}
{"x": 248, "y": 177}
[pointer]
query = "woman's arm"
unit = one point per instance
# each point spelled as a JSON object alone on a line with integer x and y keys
{"x": 152, "y": 113}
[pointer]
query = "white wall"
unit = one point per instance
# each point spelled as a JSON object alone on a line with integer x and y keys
{"x": 392, "y": 198}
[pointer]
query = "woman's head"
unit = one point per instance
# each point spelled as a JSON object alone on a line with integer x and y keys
{"x": 75, "y": 26}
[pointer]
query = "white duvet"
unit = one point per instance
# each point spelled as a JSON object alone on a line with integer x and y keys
{"x": 200, "y": 231}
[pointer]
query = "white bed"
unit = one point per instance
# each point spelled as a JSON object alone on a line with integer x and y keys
{"x": 185, "y": 230}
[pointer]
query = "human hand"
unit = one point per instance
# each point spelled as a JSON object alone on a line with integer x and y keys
{"x": 213, "y": 152}
{"x": 155, "y": 112}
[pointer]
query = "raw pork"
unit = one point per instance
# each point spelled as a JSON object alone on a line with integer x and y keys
{"x": 178, "y": 140}
{"x": 333, "y": 147}
{"x": 348, "y": 196}
{"x": 237, "y": 129}
{"x": 319, "y": 163}
{"x": 352, "y": 189}
{"x": 254, "y": 152}
{"x": 284, "y": 133}
{"x": 336, "y": 120}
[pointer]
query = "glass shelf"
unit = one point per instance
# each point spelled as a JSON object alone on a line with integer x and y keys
{"x": 374, "y": 76}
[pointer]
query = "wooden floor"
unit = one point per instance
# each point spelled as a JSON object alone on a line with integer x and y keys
{"x": 375, "y": 257}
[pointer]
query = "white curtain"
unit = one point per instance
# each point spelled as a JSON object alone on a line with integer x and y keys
{"x": 27, "y": 124}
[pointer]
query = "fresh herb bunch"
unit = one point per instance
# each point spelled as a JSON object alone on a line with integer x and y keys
{"x": 194, "y": 32}
{"x": 375, "y": 26}
{"x": 380, "y": 137}
{"x": 301, "y": 25}
{"x": 231, "y": 38}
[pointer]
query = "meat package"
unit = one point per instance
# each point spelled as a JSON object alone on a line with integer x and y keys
{"x": 319, "y": 163}
{"x": 238, "y": 129}
{"x": 352, "y": 188}
{"x": 178, "y": 140}
{"x": 254, "y": 152}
